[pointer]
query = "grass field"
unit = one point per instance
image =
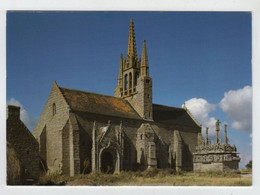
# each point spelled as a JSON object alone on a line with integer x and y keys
{"x": 152, "y": 177}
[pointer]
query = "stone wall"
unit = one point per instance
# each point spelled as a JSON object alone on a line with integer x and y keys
{"x": 163, "y": 133}
{"x": 53, "y": 122}
{"x": 142, "y": 100}
{"x": 66, "y": 149}
{"x": 215, "y": 161}
{"x": 74, "y": 148}
{"x": 202, "y": 167}
{"x": 188, "y": 136}
{"x": 215, "y": 166}
{"x": 23, "y": 142}
{"x": 146, "y": 147}
{"x": 189, "y": 146}
{"x": 15, "y": 173}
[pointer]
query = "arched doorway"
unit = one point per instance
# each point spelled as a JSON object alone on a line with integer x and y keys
{"x": 107, "y": 162}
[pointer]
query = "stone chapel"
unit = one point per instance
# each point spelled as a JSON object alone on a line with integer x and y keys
{"x": 126, "y": 131}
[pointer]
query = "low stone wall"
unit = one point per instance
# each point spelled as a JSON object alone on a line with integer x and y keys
{"x": 203, "y": 167}
{"x": 215, "y": 161}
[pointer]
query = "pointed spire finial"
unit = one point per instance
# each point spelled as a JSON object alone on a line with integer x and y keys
{"x": 144, "y": 61}
{"x": 120, "y": 73}
{"x": 131, "y": 47}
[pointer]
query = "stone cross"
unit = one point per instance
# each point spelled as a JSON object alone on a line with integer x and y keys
{"x": 226, "y": 139}
{"x": 207, "y": 135}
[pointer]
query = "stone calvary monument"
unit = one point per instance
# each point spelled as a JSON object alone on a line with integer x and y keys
{"x": 217, "y": 157}
{"x": 126, "y": 131}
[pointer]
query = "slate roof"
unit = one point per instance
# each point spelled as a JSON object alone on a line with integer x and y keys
{"x": 167, "y": 114}
{"x": 99, "y": 104}
{"x": 84, "y": 101}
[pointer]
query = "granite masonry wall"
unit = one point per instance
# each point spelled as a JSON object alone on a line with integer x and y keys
{"x": 50, "y": 128}
{"x": 22, "y": 141}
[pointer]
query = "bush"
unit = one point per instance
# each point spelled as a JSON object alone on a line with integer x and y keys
{"x": 54, "y": 179}
{"x": 249, "y": 165}
{"x": 152, "y": 172}
{"x": 87, "y": 166}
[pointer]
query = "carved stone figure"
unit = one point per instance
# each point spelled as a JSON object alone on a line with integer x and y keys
{"x": 217, "y": 131}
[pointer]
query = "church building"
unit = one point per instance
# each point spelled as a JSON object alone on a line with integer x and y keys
{"x": 80, "y": 131}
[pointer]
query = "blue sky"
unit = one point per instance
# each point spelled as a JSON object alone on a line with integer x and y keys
{"x": 194, "y": 57}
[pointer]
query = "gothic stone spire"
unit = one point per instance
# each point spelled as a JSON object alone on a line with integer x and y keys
{"x": 120, "y": 72}
{"x": 144, "y": 61}
{"x": 131, "y": 47}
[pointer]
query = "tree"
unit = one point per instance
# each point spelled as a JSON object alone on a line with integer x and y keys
{"x": 249, "y": 165}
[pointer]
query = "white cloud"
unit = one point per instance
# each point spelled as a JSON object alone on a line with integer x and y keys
{"x": 238, "y": 106}
{"x": 27, "y": 120}
{"x": 200, "y": 109}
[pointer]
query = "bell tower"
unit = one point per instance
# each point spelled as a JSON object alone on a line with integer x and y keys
{"x": 129, "y": 68}
{"x": 134, "y": 83}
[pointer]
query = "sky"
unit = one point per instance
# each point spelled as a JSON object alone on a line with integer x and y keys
{"x": 200, "y": 58}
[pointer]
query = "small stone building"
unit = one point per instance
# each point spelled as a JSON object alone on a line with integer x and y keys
{"x": 217, "y": 157}
{"x": 125, "y": 132}
{"x": 22, "y": 146}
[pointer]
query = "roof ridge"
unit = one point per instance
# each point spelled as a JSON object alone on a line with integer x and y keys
{"x": 191, "y": 115}
{"x": 91, "y": 92}
{"x": 167, "y": 106}
{"x": 59, "y": 88}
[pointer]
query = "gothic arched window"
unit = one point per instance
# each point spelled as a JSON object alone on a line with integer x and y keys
{"x": 135, "y": 78}
{"x": 130, "y": 80}
{"x": 126, "y": 82}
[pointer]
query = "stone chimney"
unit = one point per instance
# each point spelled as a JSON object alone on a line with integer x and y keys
{"x": 13, "y": 112}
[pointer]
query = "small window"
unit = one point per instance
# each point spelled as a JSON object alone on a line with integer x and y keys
{"x": 147, "y": 81}
{"x": 53, "y": 109}
{"x": 130, "y": 80}
{"x": 148, "y": 96}
{"x": 135, "y": 78}
{"x": 27, "y": 152}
